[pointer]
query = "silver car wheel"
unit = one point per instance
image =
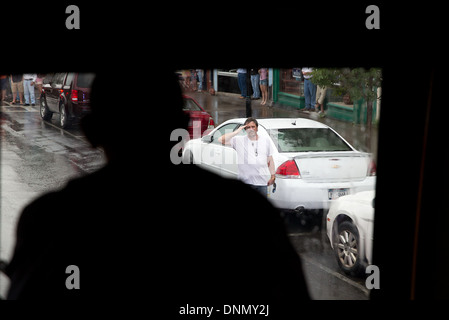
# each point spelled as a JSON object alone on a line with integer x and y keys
{"x": 347, "y": 248}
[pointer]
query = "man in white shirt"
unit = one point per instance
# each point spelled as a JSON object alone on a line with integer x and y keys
{"x": 254, "y": 155}
{"x": 28, "y": 87}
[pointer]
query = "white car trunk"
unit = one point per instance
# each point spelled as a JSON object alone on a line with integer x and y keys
{"x": 332, "y": 166}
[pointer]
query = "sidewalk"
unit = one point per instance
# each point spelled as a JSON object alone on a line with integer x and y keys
{"x": 225, "y": 106}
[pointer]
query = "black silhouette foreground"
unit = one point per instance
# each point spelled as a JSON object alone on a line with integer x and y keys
{"x": 144, "y": 229}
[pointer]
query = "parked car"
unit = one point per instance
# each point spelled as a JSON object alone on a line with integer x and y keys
{"x": 350, "y": 222}
{"x": 200, "y": 120}
{"x": 67, "y": 94}
{"x": 314, "y": 164}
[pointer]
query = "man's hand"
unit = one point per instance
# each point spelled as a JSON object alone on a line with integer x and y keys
{"x": 241, "y": 127}
{"x": 224, "y": 139}
{"x": 271, "y": 181}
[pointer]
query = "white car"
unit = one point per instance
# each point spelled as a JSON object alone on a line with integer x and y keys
{"x": 349, "y": 226}
{"x": 314, "y": 164}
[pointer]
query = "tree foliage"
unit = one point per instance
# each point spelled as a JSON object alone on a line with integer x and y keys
{"x": 358, "y": 82}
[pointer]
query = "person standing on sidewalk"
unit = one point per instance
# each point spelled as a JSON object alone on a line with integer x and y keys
{"x": 254, "y": 154}
{"x": 39, "y": 83}
{"x": 320, "y": 95}
{"x": 255, "y": 83}
{"x": 264, "y": 84}
{"x": 3, "y": 81}
{"x": 17, "y": 87}
{"x": 200, "y": 75}
{"x": 241, "y": 78}
{"x": 28, "y": 87}
{"x": 309, "y": 89}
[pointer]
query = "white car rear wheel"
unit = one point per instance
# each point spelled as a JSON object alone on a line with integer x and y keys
{"x": 347, "y": 248}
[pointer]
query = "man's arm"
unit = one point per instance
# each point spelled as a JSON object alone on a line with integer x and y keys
{"x": 226, "y": 138}
{"x": 272, "y": 171}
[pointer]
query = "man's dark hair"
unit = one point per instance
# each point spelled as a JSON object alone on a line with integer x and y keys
{"x": 251, "y": 119}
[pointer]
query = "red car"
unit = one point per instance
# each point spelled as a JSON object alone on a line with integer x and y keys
{"x": 198, "y": 117}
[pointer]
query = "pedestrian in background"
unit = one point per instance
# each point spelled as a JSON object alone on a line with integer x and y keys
{"x": 39, "y": 80}
{"x": 3, "y": 81}
{"x": 263, "y": 72}
{"x": 320, "y": 95}
{"x": 29, "y": 79}
{"x": 193, "y": 80}
{"x": 309, "y": 89}
{"x": 17, "y": 88}
{"x": 200, "y": 75}
{"x": 255, "y": 77}
{"x": 241, "y": 78}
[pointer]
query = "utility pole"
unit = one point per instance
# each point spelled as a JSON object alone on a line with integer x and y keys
{"x": 249, "y": 111}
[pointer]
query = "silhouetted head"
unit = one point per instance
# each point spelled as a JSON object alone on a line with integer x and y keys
{"x": 134, "y": 112}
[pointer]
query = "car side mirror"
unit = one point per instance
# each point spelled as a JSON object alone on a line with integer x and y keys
{"x": 207, "y": 139}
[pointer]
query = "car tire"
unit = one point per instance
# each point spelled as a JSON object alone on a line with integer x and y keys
{"x": 44, "y": 111}
{"x": 64, "y": 120}
{"x": 347, "y": 249}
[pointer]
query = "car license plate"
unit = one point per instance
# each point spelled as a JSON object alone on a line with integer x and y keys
{"x": 337, "y": 193}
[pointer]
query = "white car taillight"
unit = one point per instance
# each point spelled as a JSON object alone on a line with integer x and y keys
{"x": 288, "y": 170}
{"x": 371, "y": 169}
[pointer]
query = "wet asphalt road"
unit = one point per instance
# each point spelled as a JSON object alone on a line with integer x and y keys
{"x": 38, "y": 156}
{"x": 324, "y": 278}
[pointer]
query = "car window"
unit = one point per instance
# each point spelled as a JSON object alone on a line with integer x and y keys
{"x": 69, "y": 79}
{"x": 307, "y": 139}
{"x": 190, "y": 105}
{"x": 48, "y": 78}
{"x": 58, "y": 79}
{"x": 230, "y": 127}
{"x": 85, "y": 80}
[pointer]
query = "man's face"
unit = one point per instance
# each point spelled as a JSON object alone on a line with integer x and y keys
{"x": 251, "y": 129}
